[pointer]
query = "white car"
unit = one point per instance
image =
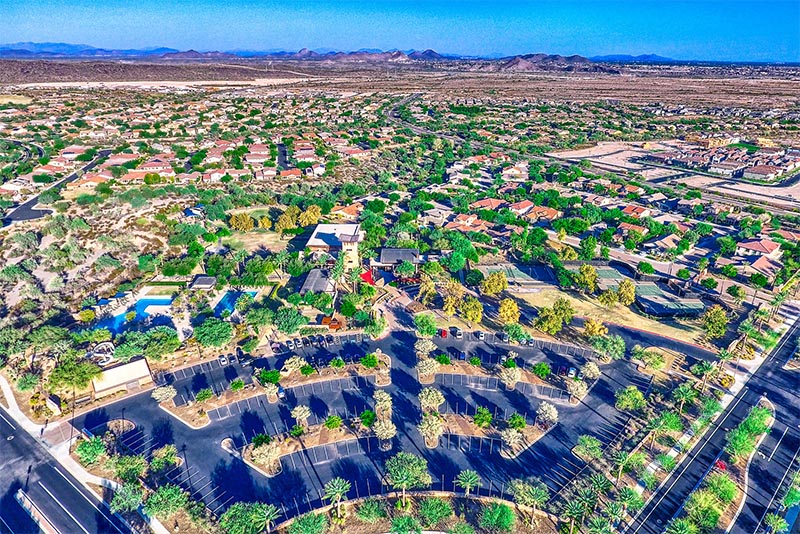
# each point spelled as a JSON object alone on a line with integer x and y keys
{"x": 480, "y": 335}
{"x": 572, "y": 373}
{"x": 459, "y": 333}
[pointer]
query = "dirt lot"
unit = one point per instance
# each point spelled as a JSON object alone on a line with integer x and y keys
{"x": 589, "y": 307}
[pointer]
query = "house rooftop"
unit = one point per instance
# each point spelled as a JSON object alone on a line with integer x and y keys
{"x": 317, "y": 281}
{"x": 332, "y": 235}
{"x": 391, "y": 256}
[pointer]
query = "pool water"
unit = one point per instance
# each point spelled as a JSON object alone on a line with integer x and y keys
{"x": 228, "y": 301}
{"x": 118, "y": 324}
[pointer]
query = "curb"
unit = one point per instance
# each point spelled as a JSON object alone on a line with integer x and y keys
{"x": 747, "y": 470}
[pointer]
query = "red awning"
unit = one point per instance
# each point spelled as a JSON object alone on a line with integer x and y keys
{"x": 366, "y": 276}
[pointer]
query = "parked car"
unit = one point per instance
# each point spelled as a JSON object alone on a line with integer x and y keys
{"x": 281, "y": 392}
{"x": 480, "y": 335}
{"x": 306, "y": 342}
{"x": 290, "y": 344}
{"x": 246, "y": 360}
{"x": 572, "y": 373}
{"x": 459, "y": 334}
{"x": 462, "y": 355}
{"x": 222, "y": 359}
{"x": 443, "y": 333}
{"x": 329, "y": 339}
{"x": 297, "y": 343}
{"x": 503, "y": 337}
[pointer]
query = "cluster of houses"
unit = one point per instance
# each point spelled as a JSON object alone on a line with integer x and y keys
{"x": 764, "y": 164}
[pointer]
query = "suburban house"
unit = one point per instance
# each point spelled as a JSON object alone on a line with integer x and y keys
{"x": 342, "y": 238}
{"x": 765, "y": 247}
{"x": 762, "y": 172}
{"x": 390, "y": 258}
{"x": 317, "y": 281}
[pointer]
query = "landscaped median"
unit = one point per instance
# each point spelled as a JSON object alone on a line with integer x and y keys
{"x": 715, "y": 506}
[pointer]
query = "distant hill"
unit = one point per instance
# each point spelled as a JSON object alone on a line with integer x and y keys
{"x": 626, "y": 58}
{"x": 543, "y": 63}
{"x": 427, "y": 55}
{"x": 194, "y": 54}
{"x": 66, "y": 50}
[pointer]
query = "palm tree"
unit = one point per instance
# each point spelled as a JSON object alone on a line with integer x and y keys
{"x": 681, "y": 526}
{"x": 615, "y": 511}
{"x": 573, "y": 511}
{"x": 335, "y": 490}
{"x": 656, "y": 427}
{"x": 469, "y": 480}
{"x": 747, "y": 330}
{"x": 761, "y": 316}
{"x": 620, "y": 459}
{"x": 683, "y": 393}
{"x": 723, "y": 356}
{"x": 588, "y": 499}
{"x": 626, "y": 497}
{"x": 598, "y": 525}
{"x": 264, "y": 516}
{"x": 776, "y": 303}
{"x": 599, "y": 483}
{"x": 704, "y": 369}
{"x": 776, "y": 523}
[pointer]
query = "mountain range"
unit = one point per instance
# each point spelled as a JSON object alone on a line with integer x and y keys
{"x": 29, "y": 50}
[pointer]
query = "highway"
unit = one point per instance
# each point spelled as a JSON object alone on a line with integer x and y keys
{"x": 780, "y": 387}
{"x": 69, "y": 507}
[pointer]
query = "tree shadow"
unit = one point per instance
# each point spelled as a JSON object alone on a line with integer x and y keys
{"x": 162, "y": 433}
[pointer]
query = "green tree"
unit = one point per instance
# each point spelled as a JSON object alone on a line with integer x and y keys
{"x": 776, "y": 523}
{"x": 715, "y": 321}
{"x": 626, "y": 292}
{"x": 407, "y": 471}
{"x": 508, "y": 312}
{"x": 288, "y": 320}
{"x": 213, "y": 332}
{"x": 468, "y": 480}
{"x": 495, "y": 283}
{"x": 629, "y": 398}
{"x": 425, "y": 324}
{"x": 90, "y": 450}
{"x": 127, "y": 498}
{"x": 471, "y": 310}
{"x": 683, "y": 394}
{"x": 70, "y": 373}
{"x": 533, "y": 494}
{"x": 336, "y": 490}
{"x": 166, "y": 501}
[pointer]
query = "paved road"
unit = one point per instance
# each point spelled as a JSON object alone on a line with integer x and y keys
{"x": 781, "y": 388}
{"x": 26, "y": 211}
{"x": 25, "y": 464}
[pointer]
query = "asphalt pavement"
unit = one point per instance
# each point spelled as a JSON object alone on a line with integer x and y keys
{"x": 766, "y": 473}
{"x": 66, "y": 504}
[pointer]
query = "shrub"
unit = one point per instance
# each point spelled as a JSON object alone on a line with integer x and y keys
{"x": 204, "y": 395}
{"x": 237, "y": 385}
{"x": 443, "y": 359}
{"x": 722, "y": 486}
{"x": 517, "y": 422}
{"x": 371, "y": 511}
{"x": 368, "y": 418}
{"x": 310, "y": 523}
{"x": 666, "y": 461}
{"x": 164, "y": 393}
{"x": 405, "y": 524}
{"x": 164, "y": 457}
{"x": 166, "y": 501}
{"x": 260, "y": 439}
{"x": 272, "y": 376}
{"x": 542, "y": 370}
{"x": 127, "y": 498}
{"x": 433, "y": 511}
{"x": 482, "y": 417}
{"x": 306, "y": 370}
{"x": 510, "y": 363}
{"x": 297, "y": 431}
{"x": 27, "y": 382}
{"x": 589, "y": 447}
{"x": 90, "y": 450}
{"x": 475, "y": 361}
{"x": 333, "y": 422}
{"x": 370, "y": 361}
{"x": 497, "y": 517}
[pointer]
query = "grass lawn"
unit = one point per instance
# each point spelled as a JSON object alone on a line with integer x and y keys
{"x": 589, "y": 307}
{"x": 254, "y": 241}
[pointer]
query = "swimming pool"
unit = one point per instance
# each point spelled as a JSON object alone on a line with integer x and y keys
{"x": 118, "y": 324}
{"x": 228, "y": 301}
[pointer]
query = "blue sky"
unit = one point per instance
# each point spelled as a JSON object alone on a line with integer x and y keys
{"x": 751, "y": 30}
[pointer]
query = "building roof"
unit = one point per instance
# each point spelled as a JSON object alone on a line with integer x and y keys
{"x": 764, "y": 246}
{"x": 330, "y": 235}
{"x": 392, "y": 256}
{"x": 317, "y": 281}
{"x": 203, "y": 282}
{"x": 117, "y": 377}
